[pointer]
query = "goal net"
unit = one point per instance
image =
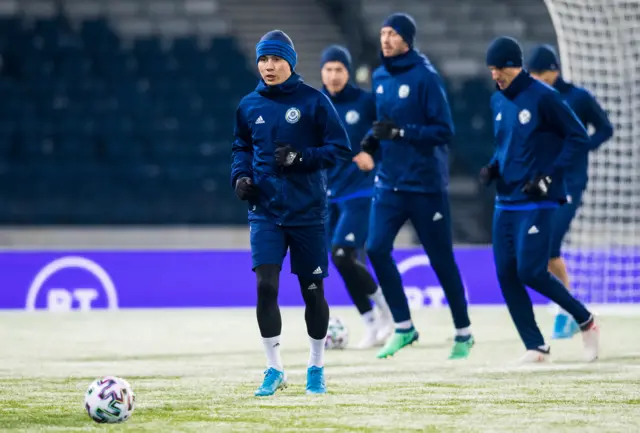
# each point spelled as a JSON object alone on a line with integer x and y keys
{"x": 599, "y": 44}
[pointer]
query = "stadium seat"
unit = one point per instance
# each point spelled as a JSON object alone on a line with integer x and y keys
{"x": 89, "y": 119}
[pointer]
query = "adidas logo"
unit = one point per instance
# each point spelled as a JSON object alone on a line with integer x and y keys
{"x": 533, "y": 230}
{"x": 318, "y": 271}
{"x": 340, "y": 252}
{"x": 437, "y": 216}
{"x": 380, "y": 89}
{"x": 350, "y": 237}
{"x": 260, "y": 121}
{"x": 312, "y": 286}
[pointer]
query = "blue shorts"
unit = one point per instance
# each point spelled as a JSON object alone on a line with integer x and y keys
{"x": 307, "y": 246}
{"x": 348, "y": 222}
{"x": 562, "y": 221}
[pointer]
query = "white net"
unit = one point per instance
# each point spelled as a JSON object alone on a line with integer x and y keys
{"x": 599, "y": 43}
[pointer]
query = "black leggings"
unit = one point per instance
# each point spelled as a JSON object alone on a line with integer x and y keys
{"x": 359, "y": 282}
{"x": 268, "y": 312}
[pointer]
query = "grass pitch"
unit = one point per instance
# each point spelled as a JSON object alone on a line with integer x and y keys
{"x": 196, "y": 370}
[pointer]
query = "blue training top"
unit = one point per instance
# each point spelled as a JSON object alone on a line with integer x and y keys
{"x": 357, "y": 110}
{"x": 536, "y": 134}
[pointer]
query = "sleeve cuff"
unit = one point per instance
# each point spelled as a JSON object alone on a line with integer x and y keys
{"x": 409, "y": 132}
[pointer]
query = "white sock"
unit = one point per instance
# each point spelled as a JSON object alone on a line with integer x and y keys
{"x": 463, "y": 332}
{"x": 272, "y": 349}
{"x": 316, "y": 354}
{"x": 407, "y": 324}
{"x": 381, "y": 303}
{"x": 369, "y": 318}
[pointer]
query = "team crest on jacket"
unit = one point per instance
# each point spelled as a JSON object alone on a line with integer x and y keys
{"x": 292, "y": 115}
{"x": 524, "y": 116}
{"x": 352, "y": 117}
{"x": 403, "y": 91}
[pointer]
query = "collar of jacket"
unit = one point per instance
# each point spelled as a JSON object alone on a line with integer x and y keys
{"x": 519, "y": 84}
{"x": 289, "y": 86}
{"x": 561, "y": 86}
{"x": 348, "y": 93}
{"x": 402, "y": 62}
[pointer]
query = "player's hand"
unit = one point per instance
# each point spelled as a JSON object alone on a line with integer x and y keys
{"x": 489, "y": 173}
{"x": 369, "y": 144}
{"x": 364, "y": 161}
{"x": 286, "y": 156}
{"x": 387, "y": 130}
{"x": 246, "y": 190}
{"x": 539, "y": 187}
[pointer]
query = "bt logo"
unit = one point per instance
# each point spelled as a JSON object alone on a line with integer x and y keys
{"x": 420, "y": 295}
{"x": 432, "y": 296}
{"x": 78, "y": 290}
{"x": 62, "y": 299}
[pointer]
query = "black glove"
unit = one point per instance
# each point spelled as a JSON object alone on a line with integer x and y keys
{"x": 370, "y": 145}
{"x": 387, "y": 130}
{"x": 287, "y": 156}
{"x": 246, "y": 190}
{"x": 538, "y": 187}
{"x": 489, "y": 173}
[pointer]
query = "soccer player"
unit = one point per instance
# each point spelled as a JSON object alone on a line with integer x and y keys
{"x": 413, "y": 130}
{"x": 350, "y": 191}
{"x": 286, "y": 135}
{"x": 544, "y": 65}
{"x": 537, "y": 137}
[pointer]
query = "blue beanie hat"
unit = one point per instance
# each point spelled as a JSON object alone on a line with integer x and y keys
{"x": 336, "y": 53}
{"x": 543, "y": 58}
{"x": 404, "y": 25}
{"x": 277, "y": 43}
{"x": 504, "y": 52}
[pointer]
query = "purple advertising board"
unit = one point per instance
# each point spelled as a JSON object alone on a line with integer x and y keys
{"x": 64, "y": 280}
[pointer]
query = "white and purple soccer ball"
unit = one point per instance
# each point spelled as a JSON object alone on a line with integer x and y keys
{"x": 109, "y": 400}
{"x": 337, "y": 334}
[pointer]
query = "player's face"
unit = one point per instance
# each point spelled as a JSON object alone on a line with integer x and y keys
{"x": 392, "y": 43}
{"x": 503, "y": 76}
{"x": 274, "y": 70}
{"x": 334, "y": 76}
{"x": 548, "y": 77}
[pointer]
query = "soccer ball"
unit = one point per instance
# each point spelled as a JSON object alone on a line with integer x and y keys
{"x": 110, "y": 400}
{"x": 337, "y": 334}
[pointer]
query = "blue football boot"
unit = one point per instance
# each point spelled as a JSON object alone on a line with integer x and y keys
{"x": 315, "y": 380}
{"x": 564, "y": 327}
{"x": 273, "y": 381}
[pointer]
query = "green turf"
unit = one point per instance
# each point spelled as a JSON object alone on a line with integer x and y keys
{"x": 196, "y": 370}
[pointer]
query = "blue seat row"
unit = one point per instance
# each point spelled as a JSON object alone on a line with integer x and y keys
{"x": 88, "y": 120}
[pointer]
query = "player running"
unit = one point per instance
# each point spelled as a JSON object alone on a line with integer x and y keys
{"x": 537, "y": 137}
{"x": 413, "y": 131}
{"x": 286, "y": 135}
{"x": 350, "y": 192}
{"x": 544, "y": 65}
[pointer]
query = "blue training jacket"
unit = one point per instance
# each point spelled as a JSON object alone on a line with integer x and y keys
{"x": 357, "y": 110}
{"x": 590, "y": 113}
{"x": 536, "y": 134}
{"x": 296, "y": 114}
{"x": 409, "y": 91}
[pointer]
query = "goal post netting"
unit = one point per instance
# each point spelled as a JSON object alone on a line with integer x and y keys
{"x": 599, "y": 46}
